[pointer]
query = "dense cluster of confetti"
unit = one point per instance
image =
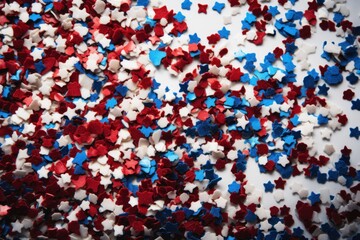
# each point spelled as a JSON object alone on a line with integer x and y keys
{"x": 94, "y": 147}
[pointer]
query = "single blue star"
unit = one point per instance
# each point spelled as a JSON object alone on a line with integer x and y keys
{"x": 34, "y": 17}
{"x": 146, "y": 131}
{"x": 194, "y": 38}
{"x": 155, "y": 85}
{"x": 352, "y": 78}
{"x": 218, "y": 7}
{"x": 313, "y": 73}
{"x": 199, "y": 175}
{"x": 323, "y": 90}
{"x": 224, "y": 33}
{"x": 355, "y": 132}
{"x": 269, "y": 186}
{"x": 314, "y": 198}
{"x": 80, "y": 158}
{"x": 250, "y": 18}
{"x": 216, "y": 212}
{"x": 234, "y": 187}
{"x": 253, "y": 141}
{"x": 186, "y": 4}
{"x": 111, "y": 103}
{"x": 184, "y": 87}
{"x": 355, "y": 105}
{"x": 179, "y": 17}
{"x": 273, "y": 11}
{"x": 210, "y": 102}
{"x": 299, "y": 232}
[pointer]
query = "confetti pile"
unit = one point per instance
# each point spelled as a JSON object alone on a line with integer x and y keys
{"x": 94, "y": 147}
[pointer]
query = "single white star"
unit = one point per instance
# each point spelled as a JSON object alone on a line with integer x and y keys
{"x": 108, "y": 224}
{"x": 17, "y": 226}
{"x": 265, "y": 225}
{"x": 221, "y": 202}
{"x": 118, "y": 230}
{"x": 37, "y": 53}
{"x": 283, "y": 160}
{"x": 43, "y": 172}
{"x": 66, "y": 178}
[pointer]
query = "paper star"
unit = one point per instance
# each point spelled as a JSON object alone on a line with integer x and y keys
{"x": 202, "y": 8}
{"x": 218, "y": 7}
{"x": 224, "y": 33}
{"x": 265, "y": 225}
{"x": 355, "y": 104}
{"x": 273, "y": 10}
{"x": 314, "y": 198}
{"x": 194, "y": 38}
{"x": 283, "y": 160}
{"x": 108, "y": 224}
{"x": 43, "y": 172}
{"x": 269, "y": 186}
{"x": 234, "y": 187}
{"x": 323, "y": 90}
{"x": 37, "y": 54}
{"x": 221, "y": 202}
{"x": 118, "y": 230}
{"x": 16, "y": 226}
{"x": 280, "y": 183}
{"x": 355, "y": 132}
{"x": 186, "y": 4}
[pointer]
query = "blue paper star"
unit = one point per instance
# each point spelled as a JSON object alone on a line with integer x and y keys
{"x": 234, "y": 187}
{"x": 323, "y": 90}
{"x": 179, "y": 17}
{"x": 156, "y": 56}
{"x": 210, "y": 102}
{"x": 155, "y": 84}
{"x": 269, "y": 186}
{"x": 146, "y": 131}
{"x": 224, "y": 33}
{"x": 218, "y": 7}
{"x": 355, "y": 105}
{"x": 355, "y": 132}
{"x": 184, "y": 87}
{"x": 352, "y": 78}
{"x": 273, "y": 11}
{"x": 194, "y": 38}
{"x": 172, "y": 156}
{"x": 250, "y": 18}
{"x": 216, "y": 212}
{"x": 314, "y": 198}
{"x": 199, "y": 175}
{"x": 80, "y": 158}
{"x": 39, "y": 66}
{"x": 186, "y": 4}
{"x": 110, "y": 103}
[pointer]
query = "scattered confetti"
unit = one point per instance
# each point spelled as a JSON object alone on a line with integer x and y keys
{"x": 95, "y": 144}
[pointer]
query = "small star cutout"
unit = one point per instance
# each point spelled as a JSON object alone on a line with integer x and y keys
{"x": 355, "y": 133}
{"x": 224, "y": 33}
{"x": 269, "y": 186}
{"x": 218, "y": 7}
{"x": 323, "y": 90}
{"x": 355, "y": 104}
{"x": 202, "y": 8}
{"x": 314, "y": 198}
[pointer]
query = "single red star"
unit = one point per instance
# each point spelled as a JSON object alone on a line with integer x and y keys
{"x": 202, "y": 8}
{"x": 279, "y": 183}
